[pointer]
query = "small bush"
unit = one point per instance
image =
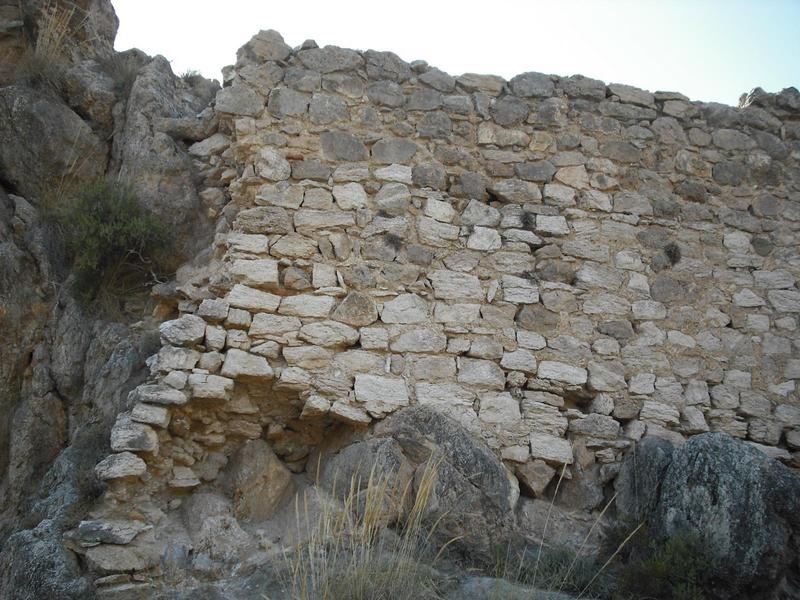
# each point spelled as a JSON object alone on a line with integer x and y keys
{"x": 557, "y": 570}
{"x": 191, "y": 76}
{"x": 674, "y": 570}
{"x": 673, "y": 253}
{"x": 114, "y": 243}
{"x": 394, "y": 241}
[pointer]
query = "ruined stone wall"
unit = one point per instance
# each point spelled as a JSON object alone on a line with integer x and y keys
{"x": 561, "y": 265}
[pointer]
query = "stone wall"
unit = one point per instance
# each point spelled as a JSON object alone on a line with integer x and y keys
{"x": 562, "y": 266}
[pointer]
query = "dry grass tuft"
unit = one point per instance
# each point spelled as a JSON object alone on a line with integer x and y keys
{"x": 350, "y": 553}
{"x": 44, "y": 64}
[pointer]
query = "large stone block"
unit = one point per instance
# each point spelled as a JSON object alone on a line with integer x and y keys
{"x": 381, "y": 395}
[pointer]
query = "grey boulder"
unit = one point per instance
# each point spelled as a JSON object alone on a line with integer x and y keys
{"x": 743, "y": 506}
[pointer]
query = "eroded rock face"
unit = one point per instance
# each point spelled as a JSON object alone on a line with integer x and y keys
{"x": 34, "y": 563}
{"x": 44, "y": 144}
{"x": 741, "y": 503}
{"x": 160, "y": 170}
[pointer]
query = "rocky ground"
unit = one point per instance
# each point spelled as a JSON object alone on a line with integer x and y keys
{"x": 565, "y": 295}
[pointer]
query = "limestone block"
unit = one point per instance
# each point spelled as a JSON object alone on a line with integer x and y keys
{"x": 595, "y": 426}
{"x": 535, "y": 475}
{"x": 350, "y": 196}
{"x": 349, "y": 414}
{"x": 381, "y": 395}
{"x": 482, "y": 374}
{"x": 456, "y": 314}
{"x": 450, "y": 285}
{"x": 499, "y": 409}
{"x": 308, "y": 222}
{"x": 606, "y": 376}
{"x": 374, "y": 338}
{"x": 785, "y": 300}
{"x": 210, "y": 387}
{"x": 406, "y": 308}
{"x": 159, "y": 394}
{"x": 357, "y": 309}
{"x": 128, "y": 435}
{"x": 439, "y": 210}
{"x": 559, "y": 371}
{"x": 214, "y": 309}
{"x": 150, "y": 415}
{"x": 519, "y": 290}
{"x": 183, "y": 478}
{"x": 418, "y": 340}
{"x": 240, "y": 365}
{"x": 433, "y": 368}
{"x": 315, "y": 406}
{"x": 307, "y": 305}
{"x": 329, "y": 333}
{"x": 644, "y": 383}
{"x": 484, "y": 239}
{"x": 118, "y": 466}
{"x": 187, "y": 330}
{"x": 311, "y": 358}
{"x": 248, "y": 298}
{"x": 551, "y": 449}
{"x": 446, "y": 397}
{"x": 519, "y": 360}
{"x": 266, "y": 325}
{"x": 659, "y": 413}
{"x": 291, "y": 246}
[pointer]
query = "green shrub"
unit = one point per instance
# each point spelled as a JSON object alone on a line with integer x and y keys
{"x": 191, "y": 76}
{"x": 673, "y": 570}
{"x": 673, "y": 253}
{"x": 115, "y": 245}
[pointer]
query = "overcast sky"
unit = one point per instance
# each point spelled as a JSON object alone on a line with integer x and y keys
{"x": 711, "y": 50}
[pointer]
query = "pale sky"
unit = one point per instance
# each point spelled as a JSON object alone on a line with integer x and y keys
{"x": 710, "y": 50}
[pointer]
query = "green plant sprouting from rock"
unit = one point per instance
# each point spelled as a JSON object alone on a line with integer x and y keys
{"x": 114, "y": 243}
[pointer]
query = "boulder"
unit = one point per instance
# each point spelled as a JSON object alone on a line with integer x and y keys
{"x": 376, "y": 461}
{"x": 471, "y": 494}
{"x": 34, "y": 564}
{"x": 257, "y": 480}
{"x": 44, "y": 144}
{"x": 743, "y": 506}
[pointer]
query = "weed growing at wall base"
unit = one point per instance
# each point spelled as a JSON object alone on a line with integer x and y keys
{"x": 351, "y": 554}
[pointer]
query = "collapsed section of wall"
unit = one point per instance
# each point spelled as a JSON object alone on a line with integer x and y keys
{"x": 560, "y": 265}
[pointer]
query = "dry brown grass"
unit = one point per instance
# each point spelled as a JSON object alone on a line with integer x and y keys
{"x": 350, "y": 553}
{"x": 45, "y": 62}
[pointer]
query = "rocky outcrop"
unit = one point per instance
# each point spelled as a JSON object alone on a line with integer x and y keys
{"x": 65, "y": 371}
{"x": 158, "y": 166}
{"x": 91, "y": 26}
{"x": 45, "y": 145}
{"x": 35, "y": 564}
{"x": 742, "y": 504}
